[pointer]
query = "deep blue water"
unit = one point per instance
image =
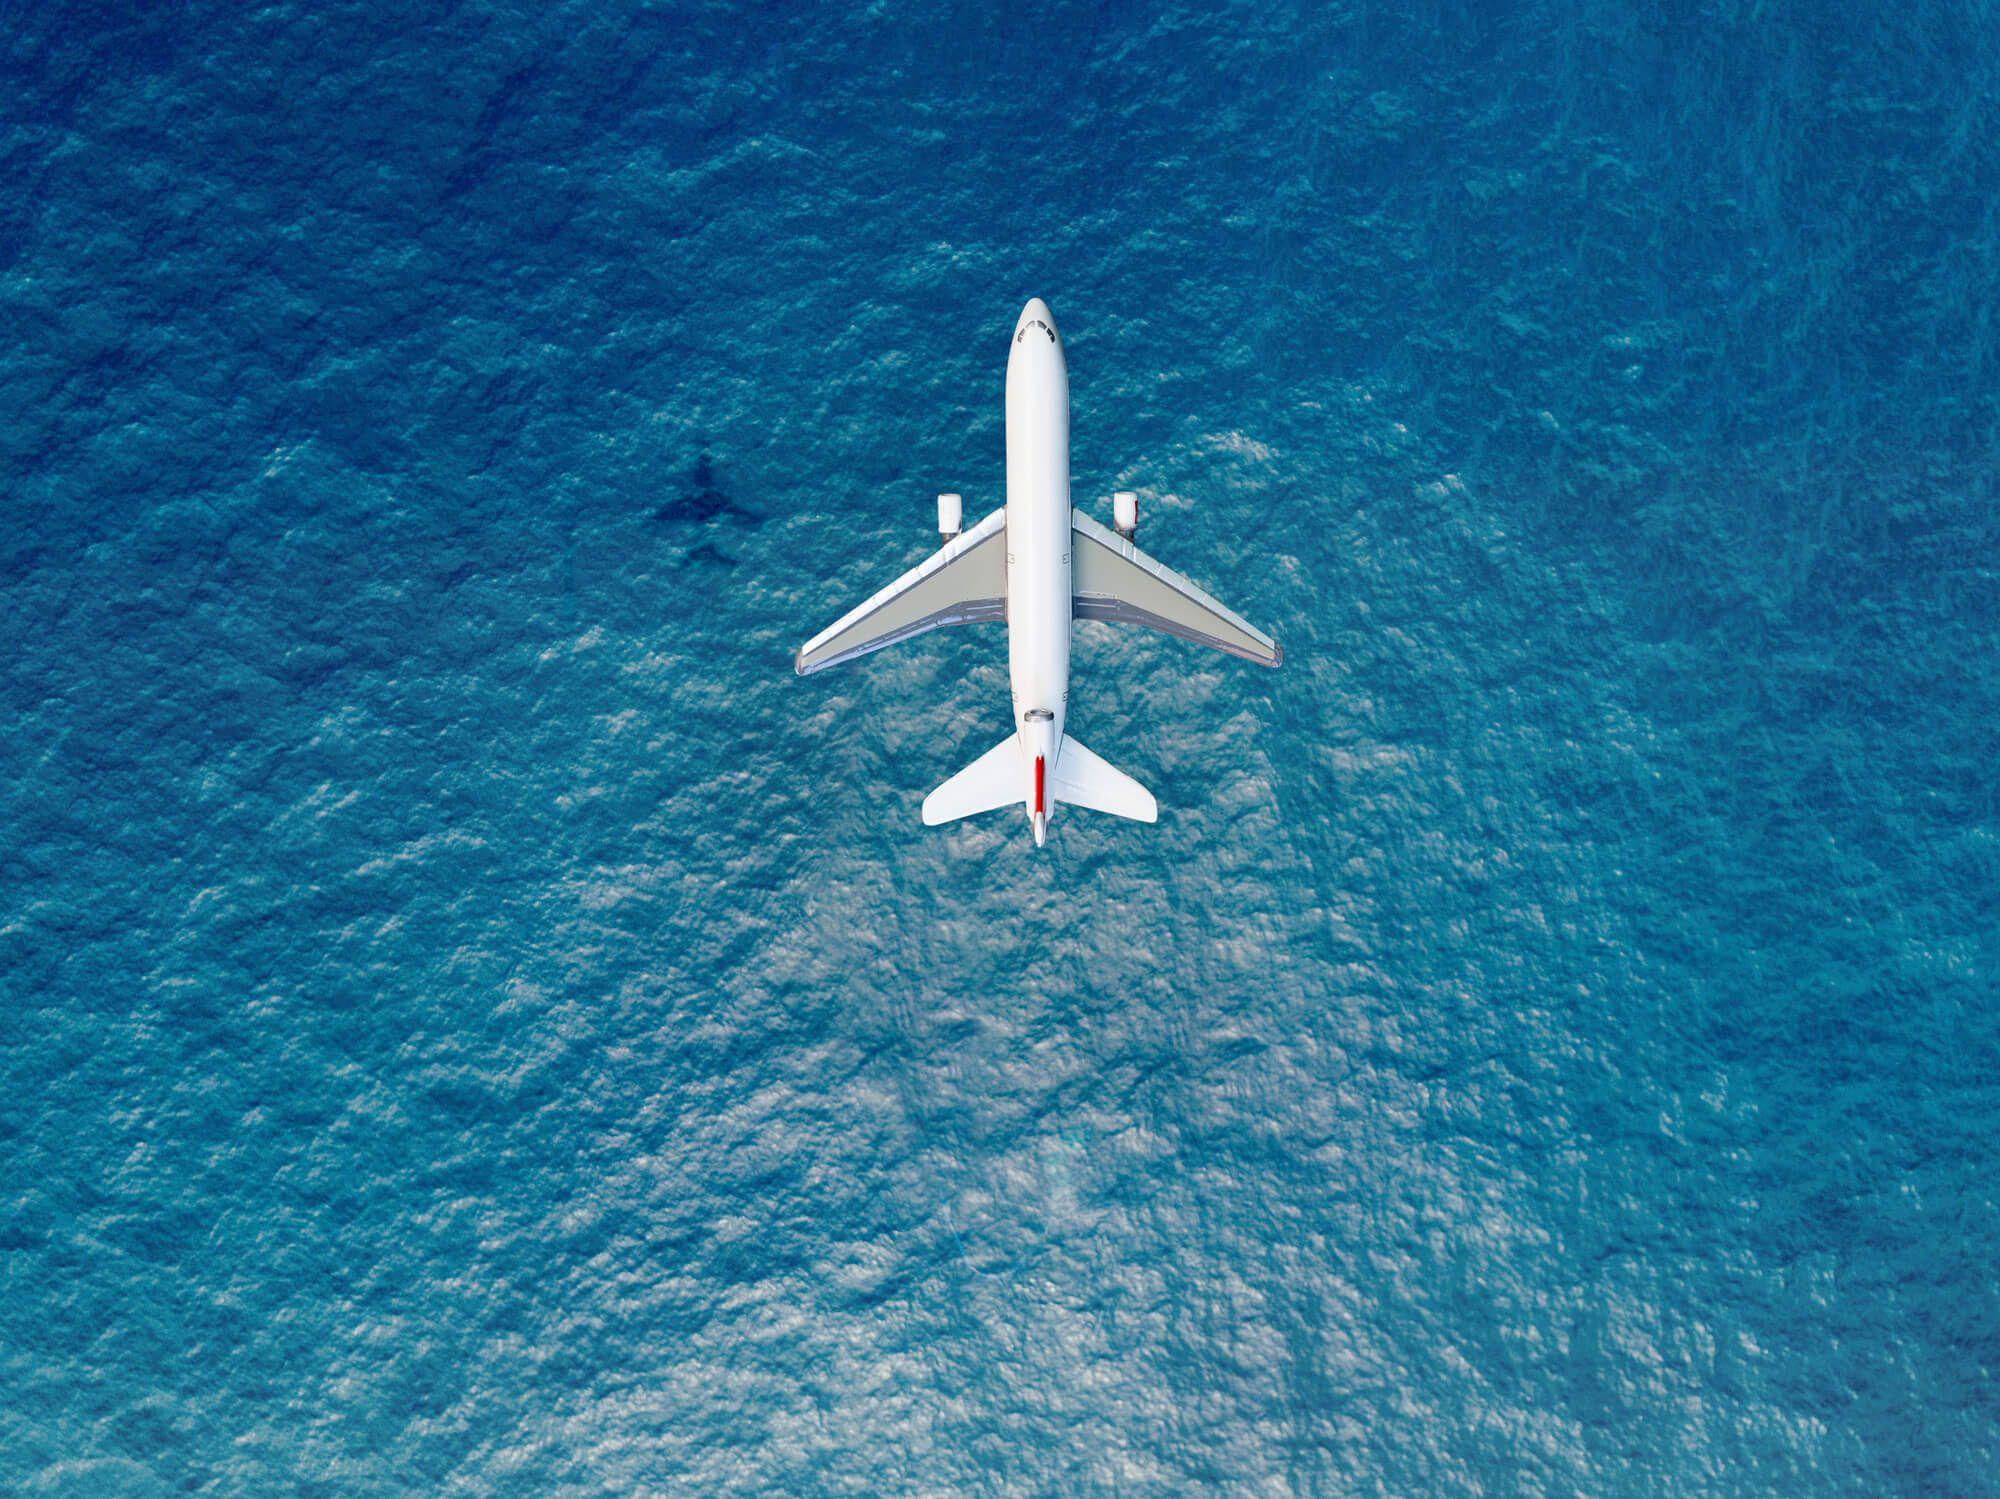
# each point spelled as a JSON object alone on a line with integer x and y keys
{"x": 475, "y": 1022}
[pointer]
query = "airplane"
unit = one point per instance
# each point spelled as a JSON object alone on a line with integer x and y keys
{"x": 1036, "y": 564}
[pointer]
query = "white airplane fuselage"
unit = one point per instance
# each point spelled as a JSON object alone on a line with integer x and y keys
{"x": 1038, "y": 545}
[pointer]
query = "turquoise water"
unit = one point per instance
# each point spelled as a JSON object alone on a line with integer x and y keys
{"x": 477, "y": 1023}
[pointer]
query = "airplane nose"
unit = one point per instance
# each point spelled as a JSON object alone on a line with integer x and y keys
{"x": 1036, "y": 312}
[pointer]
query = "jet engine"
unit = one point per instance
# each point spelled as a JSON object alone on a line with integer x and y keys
{"x": 1125, "y": 513}
{"x": 951, "y": 517}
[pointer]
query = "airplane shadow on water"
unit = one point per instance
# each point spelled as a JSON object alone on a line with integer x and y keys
{"x": 702, "y": 503}
{"x": 696, "y": 521}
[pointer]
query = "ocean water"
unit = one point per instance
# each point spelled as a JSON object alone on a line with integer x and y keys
{"x": 474, "y": 1022}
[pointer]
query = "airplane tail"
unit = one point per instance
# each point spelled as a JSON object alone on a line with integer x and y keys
{"x": 1004, "y": 776}
{"x": 1083, "y": 780}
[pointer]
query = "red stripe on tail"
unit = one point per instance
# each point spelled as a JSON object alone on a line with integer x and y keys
{"x": 1038, "y": 783}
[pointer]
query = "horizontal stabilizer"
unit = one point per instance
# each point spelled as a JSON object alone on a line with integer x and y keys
{"x": 1084, "y": 780}
{"x": 963, "y": 583}
{"x": 998, "y": 778}
{"x": 1113, "y": 580}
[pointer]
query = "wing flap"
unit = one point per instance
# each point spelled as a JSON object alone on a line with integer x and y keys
{"x": 963, "y": 583}
{"x": 1113, "y": 580}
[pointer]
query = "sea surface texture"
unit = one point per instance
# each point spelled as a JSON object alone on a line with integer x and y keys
{"x": 475, "y": 1022}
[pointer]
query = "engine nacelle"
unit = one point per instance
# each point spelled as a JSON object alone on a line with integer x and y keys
{"x": 1125, "y": 513}
{"x": 951, "y": 517}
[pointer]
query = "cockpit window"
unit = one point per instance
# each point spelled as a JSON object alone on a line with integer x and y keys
{"x": 1037, "y": 715}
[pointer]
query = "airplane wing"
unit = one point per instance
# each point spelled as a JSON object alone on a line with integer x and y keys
{"x": 963, "y": 583}
{"x": 1114, "y": 580}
